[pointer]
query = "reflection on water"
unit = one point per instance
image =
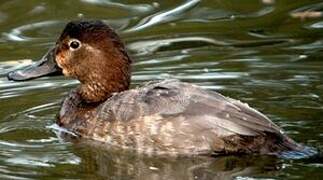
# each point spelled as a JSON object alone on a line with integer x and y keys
{"x": 266, "y": 53}
{"x": 116, "y": 163}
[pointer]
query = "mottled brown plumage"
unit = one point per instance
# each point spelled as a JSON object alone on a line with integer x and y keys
{"x": 166, "y": 116}
{"x": 174, "y": 117}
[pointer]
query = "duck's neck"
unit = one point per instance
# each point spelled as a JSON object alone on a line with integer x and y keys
{"x": 97, "y": 92}
{"x": 100, "y": 88}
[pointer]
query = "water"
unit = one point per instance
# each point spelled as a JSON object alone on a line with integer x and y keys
{"x": 266, "y": 53}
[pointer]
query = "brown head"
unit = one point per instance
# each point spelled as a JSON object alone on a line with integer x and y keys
{"x": 91, "y": 52}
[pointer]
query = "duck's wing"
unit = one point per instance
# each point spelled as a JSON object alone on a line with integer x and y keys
{"x": 172, "y": 98}
{"x": 180, "y": 113}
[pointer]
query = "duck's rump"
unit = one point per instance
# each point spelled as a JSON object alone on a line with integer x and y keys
{"x": 172, "y": 116}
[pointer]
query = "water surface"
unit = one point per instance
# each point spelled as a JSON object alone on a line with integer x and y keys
{"x": 266, "y": 53}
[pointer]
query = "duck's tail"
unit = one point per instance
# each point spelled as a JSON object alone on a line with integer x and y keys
{"x": 305, "y": 153}
{"x": 297, "y": 151}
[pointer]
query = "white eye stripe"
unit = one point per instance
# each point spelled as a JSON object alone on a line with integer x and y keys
{"x": 74, "y": 44}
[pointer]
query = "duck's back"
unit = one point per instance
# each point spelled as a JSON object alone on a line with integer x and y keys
{"x": 172, "y": 116}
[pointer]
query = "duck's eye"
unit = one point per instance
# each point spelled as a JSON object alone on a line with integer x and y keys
{"x": 74, "y": 44}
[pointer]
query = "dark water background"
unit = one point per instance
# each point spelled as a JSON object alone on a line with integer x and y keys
{"x": 267, "y": 53}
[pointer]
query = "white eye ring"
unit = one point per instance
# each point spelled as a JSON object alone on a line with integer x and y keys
{"x": 74, "y": 44}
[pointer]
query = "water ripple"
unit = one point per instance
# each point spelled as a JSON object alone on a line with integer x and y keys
{"x": 130, "y": 7}
{"x": 16, "y": 34}
{"x": 150, "y": 46}
{"x": 165, "y": 16}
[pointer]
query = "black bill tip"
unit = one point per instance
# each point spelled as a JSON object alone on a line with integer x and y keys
{"x": 17, "y": 75}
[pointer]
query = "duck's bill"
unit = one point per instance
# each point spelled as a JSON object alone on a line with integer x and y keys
{"x": 46, "y": 66}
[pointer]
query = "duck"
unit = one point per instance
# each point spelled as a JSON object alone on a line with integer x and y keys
{"x": 162, "y": 117}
